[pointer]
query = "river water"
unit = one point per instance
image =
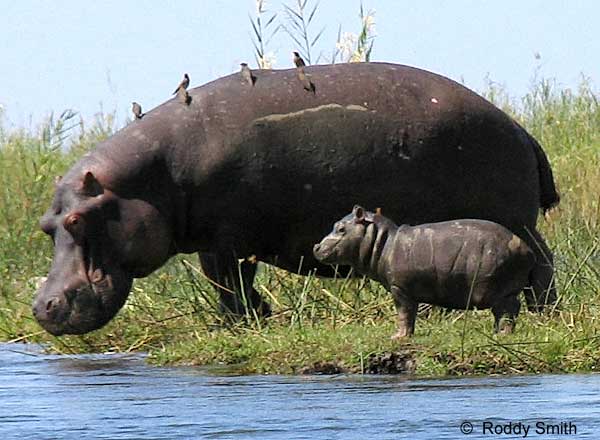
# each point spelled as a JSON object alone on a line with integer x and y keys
{"x": 121, "y": 397}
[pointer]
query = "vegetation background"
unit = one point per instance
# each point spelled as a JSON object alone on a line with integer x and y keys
{"x": 320, "y": 325}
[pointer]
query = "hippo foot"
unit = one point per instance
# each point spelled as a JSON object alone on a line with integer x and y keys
{"x": 402, "y": 333}
{"x": 263, "y": 310}
{"x": 505, "y": 327}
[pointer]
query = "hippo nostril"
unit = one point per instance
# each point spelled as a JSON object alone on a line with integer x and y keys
{"x": 52, "y": 309}
{"x": 52, "y": 305}
{"x": 55, "y": 308}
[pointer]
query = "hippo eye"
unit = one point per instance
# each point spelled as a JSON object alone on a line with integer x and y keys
{"x": 341, "y": 229}
{"x": 75, "y": 224}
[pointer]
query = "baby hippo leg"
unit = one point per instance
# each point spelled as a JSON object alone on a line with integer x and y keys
{"x": 505, "y": 313}
{"x": 407, "y": 313}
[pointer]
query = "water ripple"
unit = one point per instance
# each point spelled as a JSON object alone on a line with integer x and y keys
{"x": 120, "y": 397}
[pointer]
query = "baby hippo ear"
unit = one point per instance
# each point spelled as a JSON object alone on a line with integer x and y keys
{"x": 359, "y": 214}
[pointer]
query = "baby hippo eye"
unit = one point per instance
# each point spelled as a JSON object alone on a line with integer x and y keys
{"x": 341, "y": 229}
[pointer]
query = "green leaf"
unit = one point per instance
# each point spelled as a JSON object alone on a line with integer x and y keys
{"x": 271, "y": 20}
{"x": 312, "y": 14}
{"x": 368, "y": 53}
{"x": 317, "y": 37}
{"x": 273, "y": 34}
{"x": 293, "y": 37}
{"x": 291, "y": 12}
{"x": 254, "y": 27}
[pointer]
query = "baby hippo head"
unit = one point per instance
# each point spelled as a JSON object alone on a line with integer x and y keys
{"x": 342, "y": 244}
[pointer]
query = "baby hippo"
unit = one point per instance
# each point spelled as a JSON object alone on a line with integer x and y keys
{"x": 456, "y": 264}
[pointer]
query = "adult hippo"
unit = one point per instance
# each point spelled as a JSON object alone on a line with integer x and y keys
{"x": 264, "y": 169}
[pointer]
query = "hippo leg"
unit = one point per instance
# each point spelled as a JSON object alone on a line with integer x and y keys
{"x": 406, "y": 309}
{"x": 505, "y": 313}
{"x": 234, "y": 283}
{"x": 543, "y": 289}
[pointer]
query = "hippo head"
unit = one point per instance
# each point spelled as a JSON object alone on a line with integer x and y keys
{"x": 342, "y": 245}
{"x": 101, "y": 242}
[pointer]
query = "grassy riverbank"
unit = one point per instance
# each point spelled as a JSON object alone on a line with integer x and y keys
{"x": 322, "y": 325}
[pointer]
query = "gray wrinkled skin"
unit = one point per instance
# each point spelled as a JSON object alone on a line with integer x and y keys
{"x": 456, "y": 264}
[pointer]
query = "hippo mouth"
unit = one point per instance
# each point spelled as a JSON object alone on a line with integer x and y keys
{"x": 326, "y": 253}
{"x": 78, "y": 311}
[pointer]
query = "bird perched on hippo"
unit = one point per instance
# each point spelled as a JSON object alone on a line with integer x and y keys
{"x": 298, "y": 61}
{"x": 183, "y": 85}
{"x": 181, "y": 90}
{"x": 247, "y": 74}
{"x": 263, "y": 170}
{"x": 136, "y": 109}
{"x": 455, "y": 264}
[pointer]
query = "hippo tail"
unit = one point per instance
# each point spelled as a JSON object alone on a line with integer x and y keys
{"x": 549, "y": 196}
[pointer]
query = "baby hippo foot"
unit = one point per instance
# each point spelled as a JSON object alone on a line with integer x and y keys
{"x": 505, "y": 314}
{"x": 406, "y": 310}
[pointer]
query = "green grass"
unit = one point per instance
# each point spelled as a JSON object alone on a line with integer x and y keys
{"x": 322, "y": 325}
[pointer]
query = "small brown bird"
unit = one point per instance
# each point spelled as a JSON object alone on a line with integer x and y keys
{"x": 137, "y": 110}
{"x": 185, "y": 82}
{"x": 298, "y": 61}
{"x": 247, "y": 74}
{"x": 308, "y": 85}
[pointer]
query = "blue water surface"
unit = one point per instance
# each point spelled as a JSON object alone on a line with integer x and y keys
{"x": 121, "y": 397}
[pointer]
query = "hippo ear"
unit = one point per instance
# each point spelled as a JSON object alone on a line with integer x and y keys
{"x": 90, "y": 185}
{"x": 359, "y": 214}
